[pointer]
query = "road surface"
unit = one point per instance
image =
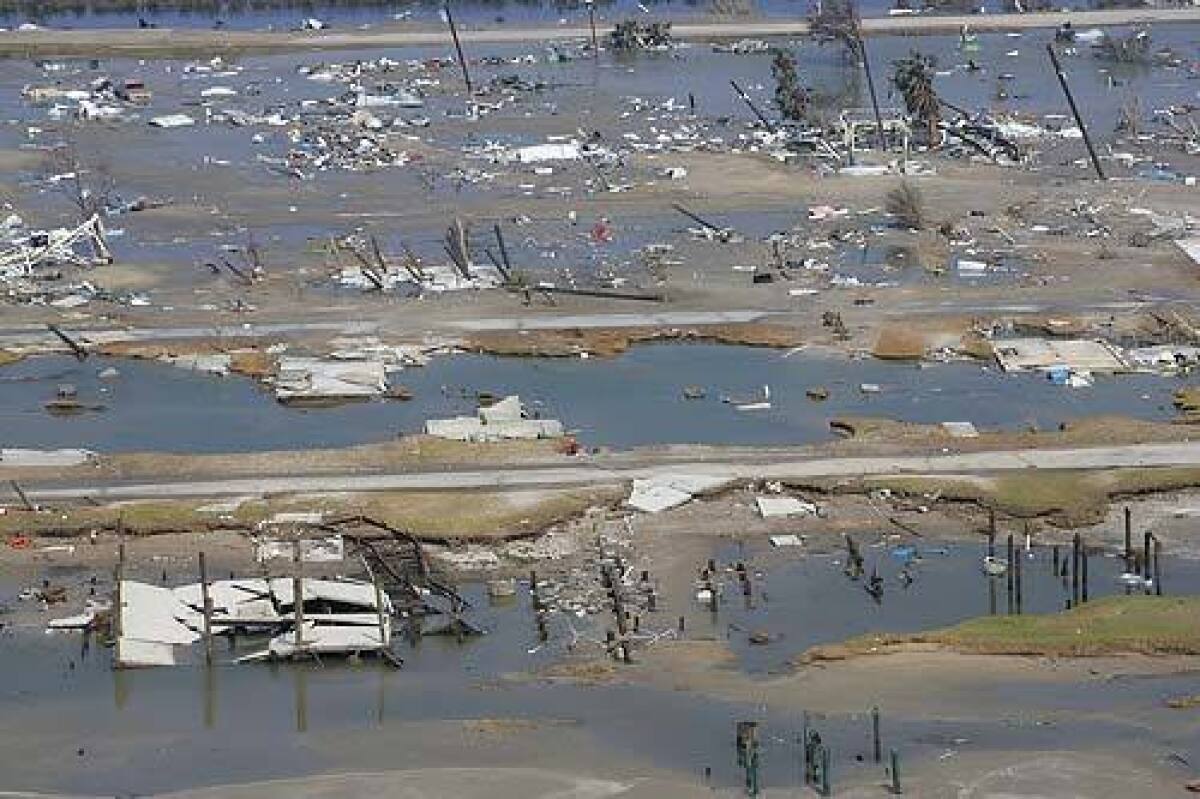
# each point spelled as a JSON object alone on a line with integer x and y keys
{"x": 165, "y": 42}
{"x": 609, "y": 471}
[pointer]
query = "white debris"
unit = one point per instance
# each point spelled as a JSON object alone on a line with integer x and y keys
{"x": 46, "y": 457}
{"x": 172, "y": 121}
{"x": 775, "y": 507}
{"x": 1021, "y": 354}
{"x": 1191, "y": 248}
{"x": 315, "y": 380}
{"x": 555, "y": 151}
{"x": 960, "y": 429}
{"x": 506, "y": 419}
{"x": 331, "y": 549}
{"x": 659, "y": 493}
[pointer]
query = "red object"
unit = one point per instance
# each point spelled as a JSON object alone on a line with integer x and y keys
{"x": 602, "y": 233}
{"x": 19, "y": 542}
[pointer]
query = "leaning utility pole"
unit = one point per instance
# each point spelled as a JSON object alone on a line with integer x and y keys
{"x": 1087, "y": 140}
{"x": 462, "y": 60}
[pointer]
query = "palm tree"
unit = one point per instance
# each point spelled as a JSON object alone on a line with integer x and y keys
{"x": 791, "y": 98}
{"x": 913, "y": 77}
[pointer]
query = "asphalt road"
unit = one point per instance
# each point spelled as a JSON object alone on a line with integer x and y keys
{"x": 608, "y": 471}
{"x": 168, "y": 41}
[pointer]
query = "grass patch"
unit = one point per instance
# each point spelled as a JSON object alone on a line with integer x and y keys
{"x": 1187, "y": 402}
{"x": 1067, "y": 497}
{"x": 409, "y": 450}
{"x": 1114, "y": 625}
{"x": 433, "y": 515}
{"x": 136, "y": 518}
{"x": 612, "y": 341}
{"x": 7, "y": 357}
{"x": 484, "y": 516}
{"x": 899, "y": 344}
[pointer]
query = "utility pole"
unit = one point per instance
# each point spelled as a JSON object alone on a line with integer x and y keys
{"x": 591, "y": 7}
{"x": 462, "y": 60}
{"x": 1087, "y": 139}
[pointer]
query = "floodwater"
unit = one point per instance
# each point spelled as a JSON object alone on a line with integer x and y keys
{"x": 632, "y": 400}
{"x": 804, "y": 601}
{"x": 220, "y": 164}
{"x": 162, "y": 729}
{"x": 472, "y": 11}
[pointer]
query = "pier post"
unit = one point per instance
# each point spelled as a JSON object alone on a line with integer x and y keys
{"x": 1083, "y": 562}
{"x": 1146, "y": 555}
{"x": 876, "y": 746}
{"x": 206, "y": 599}
{"x": 298, "y": 592}
{"x": 1075, "y": 570}
{"x": 1008, "y": 572}
{"x": 384, "y": 638}
{"x": 1018, "y": 579}
{"x": 118, "y": 594}
{"x": 1128, "y": 538}
{"x": 1157, "y": 567}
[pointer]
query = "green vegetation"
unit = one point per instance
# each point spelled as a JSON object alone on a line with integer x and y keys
{"x": 1068, "y": 497}
{"x": 1187, "y": 402}
{"x": 434, "y": 515}
{"x": 1113, "y": 625}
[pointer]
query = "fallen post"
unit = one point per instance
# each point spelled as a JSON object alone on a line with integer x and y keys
{"x": 78, "y": 349}
{"x": 462, "y": 59}
{"x": 25, "y": 500}
{"x": 1087, "y": 139}
{"x": 770, "y": 126}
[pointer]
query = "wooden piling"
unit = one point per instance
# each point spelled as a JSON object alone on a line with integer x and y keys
{"x": 1157, "y": 567}
{"x": 1146, "y": 553}
{"x": 1075, "y": 542}
{"x": 991, "y": 545}
{"x": 384, "y": 638}
{"x": 1019, "y": 581}
{"x": 206, "y": 599}
{"x": 298, "y": 592}
{"x": 1128, "y": 538}
{"x": 876, "y": 744}
{"x": 118, "y": 594}
{"x": 1008, "y": 572}
{"x": 895, "y": 772}
{"x": 1083, "y": 562}
{"x": 805, "y": 769}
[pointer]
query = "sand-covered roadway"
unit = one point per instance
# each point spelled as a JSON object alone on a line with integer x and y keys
{"x": 600, "y": 471}
{"x": 166, "y": 42}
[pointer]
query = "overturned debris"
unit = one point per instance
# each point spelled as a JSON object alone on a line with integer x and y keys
{"x": 506, "y": 419}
